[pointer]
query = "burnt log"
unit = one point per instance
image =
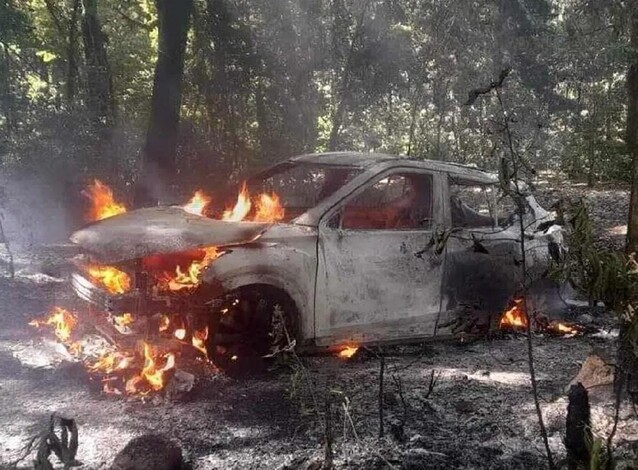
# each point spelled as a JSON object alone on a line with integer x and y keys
{"x": 578, "y": 436}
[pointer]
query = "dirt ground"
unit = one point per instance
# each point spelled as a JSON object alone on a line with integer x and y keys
{"x": 479, "y": 414}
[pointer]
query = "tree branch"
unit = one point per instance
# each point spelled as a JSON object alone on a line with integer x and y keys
{"x": 476, "y": 92}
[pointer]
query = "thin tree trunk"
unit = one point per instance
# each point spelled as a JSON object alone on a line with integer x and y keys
{"x": 7, "y": 97}
{"x": 416, "y": 104}
{"x": 344, "y": 91}
{"x": 72, "y": 50}
{"x": 627, "y": 371}
{"x": 99, "y": 81}
{"x": 158, "y": 156}
{"x": 632, "y": 135}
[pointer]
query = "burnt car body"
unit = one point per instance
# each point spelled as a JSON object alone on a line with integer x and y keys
{"x": 374, "y": 248}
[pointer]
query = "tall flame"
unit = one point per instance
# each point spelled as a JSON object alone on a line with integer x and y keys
{"x": 197, "y": 203}
{"x": 151, "y": 374}
{"x": 269, "y": 209}
{"x": 242, "y": 207}
{"x": 514, "y": 318}
{"x": 62, "y": 321}
{"x": 114, "y": 280}
{"x": 103, "y": 204}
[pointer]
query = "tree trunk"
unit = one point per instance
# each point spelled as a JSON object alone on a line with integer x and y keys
{"x": 344, "y": 90}
{"x": 72, "y": 64}
{"x": 158, "y": 156}
{"x": 627, "y": 360}
{"x": 99, "y": 81}
{"x": 632, "y": 136}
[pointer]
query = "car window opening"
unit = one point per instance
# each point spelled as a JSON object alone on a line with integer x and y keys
{"x": 474, "y": 205}
{"x": 396, "y": 202}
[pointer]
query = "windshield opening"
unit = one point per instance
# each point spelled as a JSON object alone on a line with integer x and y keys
{"x": 300, "y": 186}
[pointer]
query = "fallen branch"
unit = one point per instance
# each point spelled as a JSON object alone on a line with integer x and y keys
{"x": 434, "y": 377}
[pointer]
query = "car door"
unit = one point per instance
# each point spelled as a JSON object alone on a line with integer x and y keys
{"x": 371, "y": 283}
{"x": 482, "y": 252}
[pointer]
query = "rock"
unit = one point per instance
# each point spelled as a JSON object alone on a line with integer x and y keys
{"x": 149, "y": 452}
{"x": 183, "y": 381}
{"x": 596, "y": 376}
{"x": 585, "y": 319}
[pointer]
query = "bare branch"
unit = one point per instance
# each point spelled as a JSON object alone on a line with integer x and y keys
{"x": 475, "y": 93}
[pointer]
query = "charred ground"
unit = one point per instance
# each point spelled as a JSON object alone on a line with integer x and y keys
{"x": 479, "y": 413}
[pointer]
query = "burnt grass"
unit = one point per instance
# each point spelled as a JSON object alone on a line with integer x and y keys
{"x": 478, "y": 415}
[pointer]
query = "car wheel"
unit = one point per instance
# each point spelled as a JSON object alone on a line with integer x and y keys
{"x": 249, "y": 326}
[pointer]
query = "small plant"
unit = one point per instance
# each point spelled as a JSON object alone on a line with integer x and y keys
{"x": 601, "y": 275}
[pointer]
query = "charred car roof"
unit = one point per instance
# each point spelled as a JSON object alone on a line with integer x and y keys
{"x": 368, "y": 160}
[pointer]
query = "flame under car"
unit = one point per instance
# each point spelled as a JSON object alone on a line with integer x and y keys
{"x": 365, "y": 248}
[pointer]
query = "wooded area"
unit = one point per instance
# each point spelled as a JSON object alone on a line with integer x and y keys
{"x": 265, "y": 81}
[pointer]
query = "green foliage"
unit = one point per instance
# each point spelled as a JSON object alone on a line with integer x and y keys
{"x": 598, "y": 455}
{"x": 265, "y": 80}
{"x": 602, "y": 275}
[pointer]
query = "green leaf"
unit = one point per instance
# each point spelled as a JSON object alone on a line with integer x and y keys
{"x": 46, "y": 56}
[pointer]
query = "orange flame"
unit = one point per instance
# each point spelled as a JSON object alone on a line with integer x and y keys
{"x": 190, "y": 277}
{"x": 63, "y": 323}
{"x": 103, "y": 204}
{"x": 561, "y": 328}
{"x": 110, "y": 362}
{"x": 269, "y": 208}
{"x": 514, "y": 318}
{"x": 348, "y": 352}
{"x": 164, "y": 323}
{"x": 123, "y": 320}
{"x": 151, "y": 374}
{"x": 198, "y": 203}
{"x": 199, "y": 340}
{"x": 114, "y": 280}
{"x": 242, "y": 207}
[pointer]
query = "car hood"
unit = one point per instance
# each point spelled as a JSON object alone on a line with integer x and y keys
{"x": 158, "y": 230}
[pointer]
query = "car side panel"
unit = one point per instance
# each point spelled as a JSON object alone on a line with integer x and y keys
{"x": 285, "y": 257}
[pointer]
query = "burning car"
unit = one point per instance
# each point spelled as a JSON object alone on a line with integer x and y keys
{"x": 325, "y": 250}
